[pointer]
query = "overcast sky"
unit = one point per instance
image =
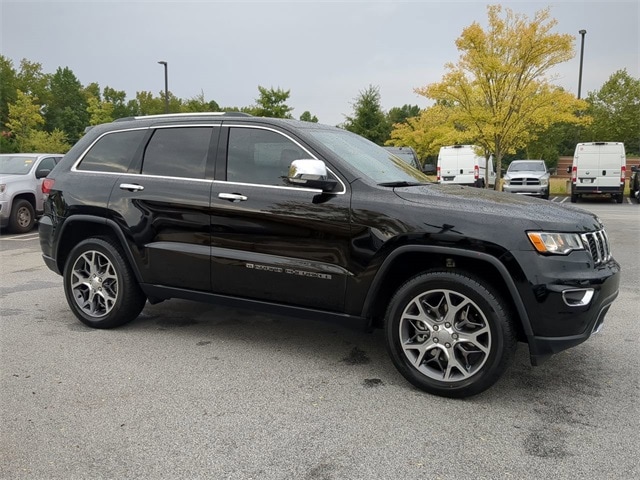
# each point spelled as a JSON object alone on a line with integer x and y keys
{"x": 325, "y": 52}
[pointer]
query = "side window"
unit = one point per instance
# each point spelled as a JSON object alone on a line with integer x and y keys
{"x": 260, "y": 156}
{"x": 177, "y": 152}
{"x": 113, "y": 152}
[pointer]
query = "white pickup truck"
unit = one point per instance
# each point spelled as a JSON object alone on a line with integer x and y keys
{"x": 21, "y": 198}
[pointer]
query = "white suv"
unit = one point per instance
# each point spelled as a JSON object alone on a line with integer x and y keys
{"x": 21, "y": 195}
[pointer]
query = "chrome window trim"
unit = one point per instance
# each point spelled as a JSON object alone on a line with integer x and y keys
{"x": 311, "y": 155}
{"x": 282, "y": 187}
{"x": 74, "y": 168}
{"x": 165, "y": 177}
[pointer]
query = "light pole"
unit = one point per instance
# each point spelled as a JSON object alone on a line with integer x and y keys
{"x": 582, "y": 33}
{"x": 166, "y": 85}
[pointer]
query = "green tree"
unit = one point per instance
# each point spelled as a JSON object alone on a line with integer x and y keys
{"x": 307, "y": 117}
{"x": 272, "y": 103}
{"x": 615, "y": 109}
{"x": 368, "y": 118}
{"x": 99, "y": 111}
{"x": 41, "y": 141}
{"x": 24, "y": 117}
{"x": 499, "y": 91}
{"x": 67, "y": 109}
{"x": 402, "y": 114}
{"x": 33, "y": 81}
{"x": 118, "y": 98}
{"x": 148, "y": 104}
{"x": 8, "y": 90}
{"x": 200, "y": 104}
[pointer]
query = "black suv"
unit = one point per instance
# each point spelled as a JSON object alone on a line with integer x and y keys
{"x": 314, "y": 221}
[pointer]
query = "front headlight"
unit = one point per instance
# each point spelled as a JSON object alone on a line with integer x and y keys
{"x": 3, "y": 188}
{"x": 544, "y": 182}
{"x": 556, "y": 243}
{"x": 507, "y": 180}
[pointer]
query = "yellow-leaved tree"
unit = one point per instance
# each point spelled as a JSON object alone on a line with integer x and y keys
{"x": 499, "y": 95}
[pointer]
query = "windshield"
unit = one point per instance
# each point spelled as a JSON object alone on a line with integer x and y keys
{"x": 368, "y": 158}
{"x": 15, "y": 165}
{"x": 527, "y": 167}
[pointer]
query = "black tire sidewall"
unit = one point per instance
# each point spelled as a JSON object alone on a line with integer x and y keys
{"x": 15, "y": 226}
{"x": 503, "y": 342}
{"x": 115, "y": 316}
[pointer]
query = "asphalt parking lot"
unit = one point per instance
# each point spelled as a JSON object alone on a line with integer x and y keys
{"x": 196, "y": 391}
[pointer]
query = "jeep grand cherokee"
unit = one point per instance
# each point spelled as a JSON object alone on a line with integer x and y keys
{"x": 314, "y": 221}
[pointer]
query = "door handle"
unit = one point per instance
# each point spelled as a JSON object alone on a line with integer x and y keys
{"x": 234, "y": 197}
{"x": 132, "y": 187}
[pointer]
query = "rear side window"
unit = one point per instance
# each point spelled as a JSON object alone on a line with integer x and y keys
{"x": 113, "y": 152}
{"x": 177, "y": 152}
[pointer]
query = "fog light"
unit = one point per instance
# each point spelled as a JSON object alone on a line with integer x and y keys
{"x": 578, "y": 297}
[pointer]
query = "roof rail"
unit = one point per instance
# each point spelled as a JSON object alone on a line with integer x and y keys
{"x": 192, "y": 114}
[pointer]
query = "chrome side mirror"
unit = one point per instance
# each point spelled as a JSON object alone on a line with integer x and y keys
{"x": 311, "y": 173}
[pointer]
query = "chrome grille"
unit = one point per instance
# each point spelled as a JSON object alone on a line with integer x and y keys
{"x": 597, "y": 244}
{"x": 525, "y": 181}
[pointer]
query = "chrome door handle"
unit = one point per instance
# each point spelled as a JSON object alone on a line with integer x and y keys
{"x": 234, "y": 197}
{"x": 132, "y": 187}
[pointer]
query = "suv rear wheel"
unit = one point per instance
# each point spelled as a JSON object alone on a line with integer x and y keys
{"x": 100, "y": 286}
{"x": 449, "y": 334}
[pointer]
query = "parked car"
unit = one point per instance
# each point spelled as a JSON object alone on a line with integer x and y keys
{"x": 407, "y": 154}
{"x": 599, "y": 168}
{"x": 634, "y": 183}
{"x": 527, "y": 177}
{"x": 21, "y": 197}
{"x": 317, "y": 222}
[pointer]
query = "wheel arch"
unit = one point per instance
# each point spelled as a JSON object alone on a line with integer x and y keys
{"x": 408, "y": 261}
{"x": 80, "y": 227}
{"x": 28, "y": 196}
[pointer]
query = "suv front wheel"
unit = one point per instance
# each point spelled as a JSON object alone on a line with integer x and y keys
{"x": 449, "y": 334}
{"x": 100, "y": 286}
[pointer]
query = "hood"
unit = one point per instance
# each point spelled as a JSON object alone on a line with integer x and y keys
{"x": 500, "y": 209}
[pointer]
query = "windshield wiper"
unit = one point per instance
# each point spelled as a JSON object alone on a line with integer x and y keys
{"x": 402, "y": 183}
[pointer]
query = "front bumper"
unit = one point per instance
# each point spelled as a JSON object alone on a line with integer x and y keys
{"x": 566, "y": 298}
{"x": 537, "y": 190}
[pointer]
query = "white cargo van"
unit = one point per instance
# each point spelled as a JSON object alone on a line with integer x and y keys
{"x": 599, "y": 168}
{"x": 461, "y": 165}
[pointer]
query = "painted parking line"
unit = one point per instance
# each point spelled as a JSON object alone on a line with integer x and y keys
{"x": 22, "y": 238}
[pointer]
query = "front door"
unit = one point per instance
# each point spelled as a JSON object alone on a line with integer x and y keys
{"x": 271, "y": 241}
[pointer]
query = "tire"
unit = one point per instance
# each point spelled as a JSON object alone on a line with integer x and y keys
{"x": 574, "y": 198}
{"x": 100, "y": 287}
{"x": 545, "y": 195}
{"x": 23, "y": 217}
{"x": 449, "y": 352}
{"x": 619, "y": 198}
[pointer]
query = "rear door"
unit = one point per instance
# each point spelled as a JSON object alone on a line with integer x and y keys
{"x": 271, "y": 241}
{"x": 610, "y": 165}
{"x": 162, "y": 205}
